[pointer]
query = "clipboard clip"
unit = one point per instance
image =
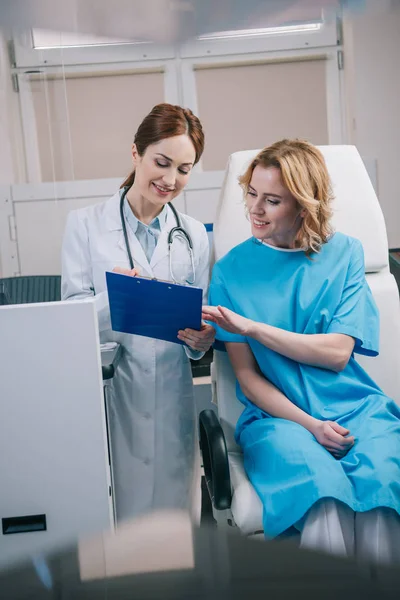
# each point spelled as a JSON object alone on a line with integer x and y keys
{"x": 161, "y": 280}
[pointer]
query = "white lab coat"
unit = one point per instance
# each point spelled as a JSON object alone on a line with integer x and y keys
{"x": 152, "y": 424}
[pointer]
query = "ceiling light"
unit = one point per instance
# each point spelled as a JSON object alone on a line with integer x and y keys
{"x": 48, "y": 40}
{"x": 246, "y": 33}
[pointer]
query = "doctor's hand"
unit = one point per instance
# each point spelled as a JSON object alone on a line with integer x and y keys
{"x": 198, "y": 340}
{"x": 227, "y": 319}
{"x": 333, "y": 437}
{"x": 130, "y": 272}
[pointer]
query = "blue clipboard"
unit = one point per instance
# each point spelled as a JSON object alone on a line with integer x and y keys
{"x": 152, "y": 308}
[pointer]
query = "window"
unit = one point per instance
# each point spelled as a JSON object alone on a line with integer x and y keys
{"x": 250, "y": 106}
{"x": 85, "y": 123}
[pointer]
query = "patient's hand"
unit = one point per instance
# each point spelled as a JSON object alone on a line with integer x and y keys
{"x": 227, "y": 319}
{"x": 333, "y": 437}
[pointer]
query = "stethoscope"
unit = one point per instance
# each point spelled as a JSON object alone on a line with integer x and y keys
{"x": 177, "y": 231}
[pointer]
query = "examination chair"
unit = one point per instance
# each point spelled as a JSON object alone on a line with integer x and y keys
{"x": 357, "y": 213}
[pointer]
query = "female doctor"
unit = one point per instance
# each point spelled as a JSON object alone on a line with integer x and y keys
{"x": 152, "y": 413}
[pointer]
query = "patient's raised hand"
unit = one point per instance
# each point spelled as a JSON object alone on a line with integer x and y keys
{"x": 227, "y": 319}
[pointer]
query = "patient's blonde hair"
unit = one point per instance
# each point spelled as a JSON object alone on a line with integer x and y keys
{"x": 305, "y": 175}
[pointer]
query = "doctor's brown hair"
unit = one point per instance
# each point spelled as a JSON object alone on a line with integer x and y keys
{"x": 165, "y": 121}
{"x": 305, "y": 175}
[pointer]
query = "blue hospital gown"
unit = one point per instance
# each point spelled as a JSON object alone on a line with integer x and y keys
{"x": 289, "y": 469}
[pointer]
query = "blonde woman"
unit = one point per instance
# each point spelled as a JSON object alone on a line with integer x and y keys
{"x": 321, "y": 441}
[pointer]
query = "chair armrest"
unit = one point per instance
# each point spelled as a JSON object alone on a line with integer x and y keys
{"x": 215, "y": 460}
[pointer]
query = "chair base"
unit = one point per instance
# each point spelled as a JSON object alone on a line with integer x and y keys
{"x": 225, "y": 520}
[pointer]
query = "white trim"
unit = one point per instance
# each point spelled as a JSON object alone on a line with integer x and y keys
{"x": 93, "y": 69}
{"x": 28, "y": 121}
{"x": 334, "y": 100}
{"x": 189, "y": 95}
{"x": 27, "y": 56}
{"x": 171, "y": 82}
{"x": 287, "y": 55}
{"x": 65, "y": 190}
{"x": 9, "y": 260}
{"x": 98, "y": 188}
{"x": 189, "y": 92}
{"x": 345, "y": 93}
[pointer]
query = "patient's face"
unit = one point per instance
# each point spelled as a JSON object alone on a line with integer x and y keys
{"x": 275, "y": 214}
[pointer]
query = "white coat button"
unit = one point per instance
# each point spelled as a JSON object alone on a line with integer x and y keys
{"x": 146, "y": 461}
{"x": 147, "y": 415}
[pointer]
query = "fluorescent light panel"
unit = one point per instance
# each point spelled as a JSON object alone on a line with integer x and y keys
{"x": 245, "y": 33}
{"x": 49, "y": 40}
{"x": 55, "y": 47}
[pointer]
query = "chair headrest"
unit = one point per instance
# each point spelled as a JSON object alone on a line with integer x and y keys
{"x": 356, "y": 208}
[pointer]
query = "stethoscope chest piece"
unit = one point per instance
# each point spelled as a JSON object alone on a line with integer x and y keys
{"x": 176, "y": 232}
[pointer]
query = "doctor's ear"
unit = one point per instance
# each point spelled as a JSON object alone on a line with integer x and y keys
{"x": 135, "y": 155}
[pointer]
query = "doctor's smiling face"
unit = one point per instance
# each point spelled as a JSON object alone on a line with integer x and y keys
{"x": 274, "y": 213}
{"x": 168, "y": 143}
{"x": 163, "y": 170}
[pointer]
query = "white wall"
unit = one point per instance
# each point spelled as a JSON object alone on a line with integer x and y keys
{"x": 372, "y": 78}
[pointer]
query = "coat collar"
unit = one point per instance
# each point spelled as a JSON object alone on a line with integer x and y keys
{"x": 158, "y": 222}
{"x": 112, "y": 222}
{"x": 111, "y": 214}
{"x": 112, "y": 217}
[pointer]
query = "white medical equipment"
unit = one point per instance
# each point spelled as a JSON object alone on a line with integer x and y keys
{"x": 55, "y": 473}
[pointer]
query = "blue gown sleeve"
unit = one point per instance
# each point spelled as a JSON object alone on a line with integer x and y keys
{"x": 357, "y": 314}
{"x": 219, "y": 296}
